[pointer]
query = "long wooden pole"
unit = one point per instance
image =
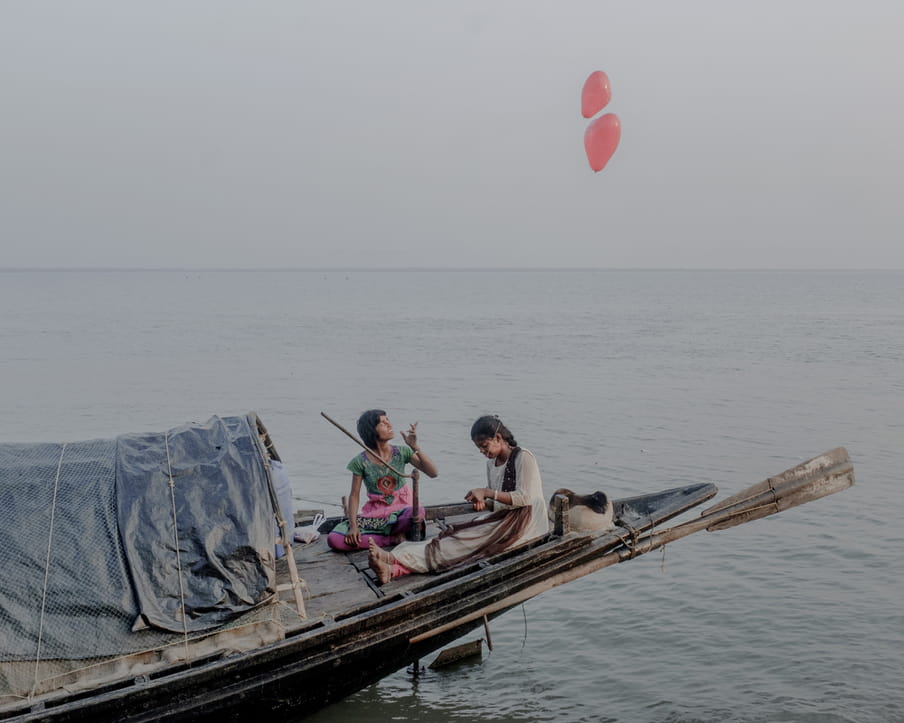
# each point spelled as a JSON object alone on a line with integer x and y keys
{"x": 361, "y": 444}
{"x": 295, "y": 581}
{"x": 824, "y": 475}
{"x": 268, "y": 452}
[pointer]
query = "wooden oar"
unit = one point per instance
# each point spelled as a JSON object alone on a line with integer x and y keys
{"x": 824, "y": 475}
{"x": 364, "y": 446}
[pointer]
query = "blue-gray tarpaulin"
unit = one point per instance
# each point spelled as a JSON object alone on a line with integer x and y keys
{"x": 107, "y": 546}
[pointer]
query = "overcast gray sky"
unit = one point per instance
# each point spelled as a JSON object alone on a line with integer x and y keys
{"x": 448, "y": 134}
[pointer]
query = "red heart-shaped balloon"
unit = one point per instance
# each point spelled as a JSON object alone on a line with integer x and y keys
{"x": 595, "y": 94}
{"x": 601, "y": 139}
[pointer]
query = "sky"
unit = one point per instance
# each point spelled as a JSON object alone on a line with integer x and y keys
{"x": 422, "y": 134}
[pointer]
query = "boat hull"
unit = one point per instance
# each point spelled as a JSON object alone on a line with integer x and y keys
{"x": 331, "y": 658}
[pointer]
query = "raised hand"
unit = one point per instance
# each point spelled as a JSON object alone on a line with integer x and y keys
{"x": 410, "y": 436}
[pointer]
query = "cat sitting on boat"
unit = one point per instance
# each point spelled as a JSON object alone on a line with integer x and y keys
{"x": 586, "y": 513}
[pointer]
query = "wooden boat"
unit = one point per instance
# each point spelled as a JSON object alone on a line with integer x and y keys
{"x": 328, "y": 629}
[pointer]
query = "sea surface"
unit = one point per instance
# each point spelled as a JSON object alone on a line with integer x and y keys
{"x": 624, "y": 381}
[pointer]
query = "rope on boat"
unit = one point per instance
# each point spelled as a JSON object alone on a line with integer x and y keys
{"x": 172, "y": 486}
{"x": 56, "y": 487}
{"x": 524, "y": 639}
{"x": 633, "y": 534}
{"x": 319, "y": 502}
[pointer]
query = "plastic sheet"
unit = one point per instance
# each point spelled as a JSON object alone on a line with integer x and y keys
{"x": 158, "y": 532}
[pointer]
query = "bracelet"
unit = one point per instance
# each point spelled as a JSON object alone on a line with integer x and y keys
{"x": 494, "y": 493}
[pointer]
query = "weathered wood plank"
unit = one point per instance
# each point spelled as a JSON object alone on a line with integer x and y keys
{"x": 457, "y": 653}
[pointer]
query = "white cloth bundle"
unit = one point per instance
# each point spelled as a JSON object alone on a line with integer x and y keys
{"x": 309, "y": 533}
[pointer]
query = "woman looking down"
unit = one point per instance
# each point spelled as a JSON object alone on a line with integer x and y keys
{"x": 519, "y": 511}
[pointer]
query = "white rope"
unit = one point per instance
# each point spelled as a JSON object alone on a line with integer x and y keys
{"x": 56, "y": 486}
{"x": 172, "y": 486}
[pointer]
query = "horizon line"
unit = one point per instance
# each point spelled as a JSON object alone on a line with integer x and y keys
{"x": 242, "y": 269}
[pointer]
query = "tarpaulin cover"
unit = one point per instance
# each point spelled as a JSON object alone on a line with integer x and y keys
{"x": 154, "y": 532}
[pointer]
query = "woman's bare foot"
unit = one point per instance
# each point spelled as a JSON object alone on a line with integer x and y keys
{"x": 380, "y": 562}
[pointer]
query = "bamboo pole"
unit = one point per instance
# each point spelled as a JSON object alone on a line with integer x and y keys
{"x": 824, "y": 475}
{"x": 294, "y": 580}
{"x": 362, "y": 445}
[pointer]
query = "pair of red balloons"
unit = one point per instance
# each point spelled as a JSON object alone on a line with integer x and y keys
{"x": 602, "y": 135}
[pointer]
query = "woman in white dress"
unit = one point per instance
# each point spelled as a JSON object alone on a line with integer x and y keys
{"x": 518, "y": 513}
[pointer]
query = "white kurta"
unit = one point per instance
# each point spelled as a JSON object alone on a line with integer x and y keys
{"x": 528, "y": 492}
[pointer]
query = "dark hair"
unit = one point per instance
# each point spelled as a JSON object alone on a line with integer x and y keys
{"x": 488, "y": 426}
{"x": 367, "y": 426}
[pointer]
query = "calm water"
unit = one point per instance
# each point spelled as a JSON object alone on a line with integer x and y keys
{"x": 628, "y": 382}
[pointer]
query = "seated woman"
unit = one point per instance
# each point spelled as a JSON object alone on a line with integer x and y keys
{"x": 387, "y": 514}
{"x": 519, "y": 511}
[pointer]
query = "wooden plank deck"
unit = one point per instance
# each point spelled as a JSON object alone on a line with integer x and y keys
{"x": 335, "y": 582}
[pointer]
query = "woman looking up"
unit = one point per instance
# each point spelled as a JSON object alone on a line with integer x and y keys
{"x": 387, "y": 513}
